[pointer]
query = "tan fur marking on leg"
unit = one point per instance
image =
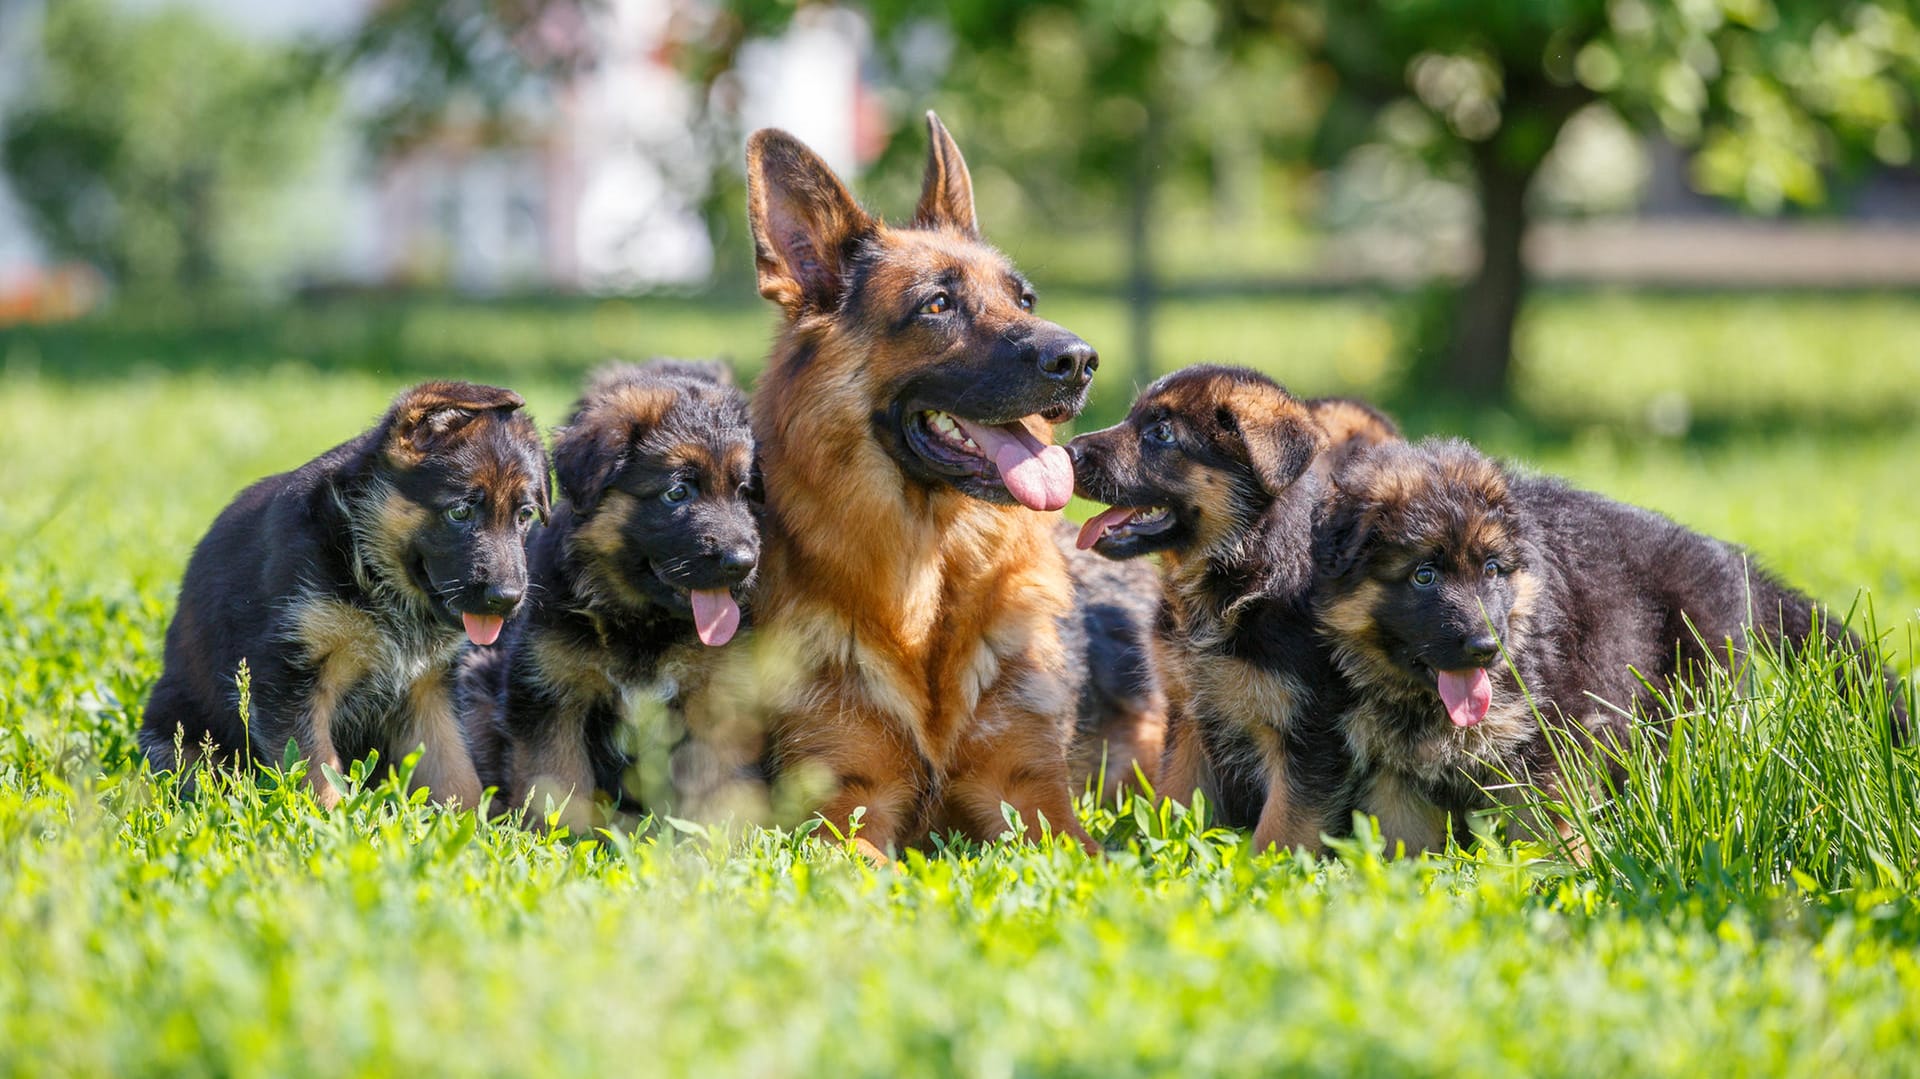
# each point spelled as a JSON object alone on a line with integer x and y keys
{"x": 555, "y": 768}
{"x": 445, "y": 766}
{"x": 343, "y": 644}
{"x": 1405, "y": 816}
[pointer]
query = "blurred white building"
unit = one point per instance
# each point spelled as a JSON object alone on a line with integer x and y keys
{"x": 602, "y": 195}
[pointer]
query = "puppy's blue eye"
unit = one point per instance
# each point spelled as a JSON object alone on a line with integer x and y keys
{"x": 1161, "y": 432}
{"x": 1027, "y": 301}
{"x": 1494, "y": 568}
{"x": 460, "y": 514}
{"x": 939, "y": 305}
{"x": 676, "y": 494}
{"x": 1425, "y": 576}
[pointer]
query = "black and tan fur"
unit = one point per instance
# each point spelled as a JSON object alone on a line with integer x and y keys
{"x": 1227, "y": 461}
{"x": 915, "y": 603}
{"x": 1353, "y": 426}
{"x": 659, "y": 497}
{"x": 1121, "y": 725}
{"x": 1439, "y": 558}
{"x": 342, "y": 586}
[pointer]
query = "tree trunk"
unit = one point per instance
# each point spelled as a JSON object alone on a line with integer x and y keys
{"x": 1480, "y": 356}
{"x": 1142, "y": 290}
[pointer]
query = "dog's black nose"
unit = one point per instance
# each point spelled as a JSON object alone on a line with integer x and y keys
{"x": 1075, "y": 450}
{"x": 500, "y": 599}
{"x": 737, "y": 562}
{"x": 1482, "y": 649}
{"x": 1069, "y": 361}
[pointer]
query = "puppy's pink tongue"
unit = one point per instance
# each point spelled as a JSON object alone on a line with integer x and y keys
{"x": 482, "y": 628}
{"x": 715, "y": 615}
{"x": 1467, "y": 694}
{"x": 1098, "y": 524}
{"x": 1038, "y": 475}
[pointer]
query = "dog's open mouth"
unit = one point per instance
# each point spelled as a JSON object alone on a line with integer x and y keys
{"x": 716, "y": 617}
{"x": 1124, "y": 522}
{"x": 716, "y": 614}
{"x": 1037, "y": 474}
{"x": 1466, "y": 694}
{"x": 482, "y": 629}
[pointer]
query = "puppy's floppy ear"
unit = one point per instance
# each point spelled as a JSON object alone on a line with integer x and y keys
{"x": 946, "y": 194}
{"x": 426, "y": 417}
{"x": 1279, "y": 442}
{"x": 587, "y": 456}
{"x": 1345, "y": 529}
{"x": 618, "y": 411}
{"x": 543, "y": 493}
{"x": 804, "y": 223}
{"x": 756, "y": 484}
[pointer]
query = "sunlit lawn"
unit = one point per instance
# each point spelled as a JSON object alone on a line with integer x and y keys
{"x": 243, "y": 933}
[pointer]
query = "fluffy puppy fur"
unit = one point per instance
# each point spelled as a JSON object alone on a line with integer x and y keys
{"x": 1447, "y": 576}
{"x": 1121, "y": 722}
{"x": 345, "y": 585}
{"x": 648, "y": 556}
{"x": 1214, "y": 469}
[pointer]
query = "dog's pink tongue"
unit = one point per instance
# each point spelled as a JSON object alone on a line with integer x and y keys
{"x": 1098, "y": 524}
{"x": 715, "y": 615}
{"x": 1038, "y": 475}
{"x": 483, "y": 628}
{"x": 1467, "y": 694}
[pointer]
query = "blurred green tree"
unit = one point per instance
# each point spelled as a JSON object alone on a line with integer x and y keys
{"x": 1775, "y": 94}
{"x": 146, "y": 135}
{"x": 1116, "y": 96}
{"x": 473, "y": 65}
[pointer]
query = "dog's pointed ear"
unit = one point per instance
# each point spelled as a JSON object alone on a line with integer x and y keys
{"x": 1280, "y": 440}
{"x": 946, "y": 194}
{"x": 804, "y": 222}
{"x": 423, "y": 418}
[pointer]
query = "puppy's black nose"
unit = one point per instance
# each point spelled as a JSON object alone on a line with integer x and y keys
{"x": 737, "y": 562}
{"x": 500, "y": 599}
{"x": 1075, "y": 451}
{"x": 1069, "y": 361}
{"x": 1482, "y": 649}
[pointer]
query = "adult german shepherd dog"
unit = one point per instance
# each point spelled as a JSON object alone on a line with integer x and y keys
{"x": 908, "y": 570}
{"x": 650, "y": 551}
{"x": 346, "y": 584}
{"x": 1447, "y": 574}
{"x": 1218, "y": 470}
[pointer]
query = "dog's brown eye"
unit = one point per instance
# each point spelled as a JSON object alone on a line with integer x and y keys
{"x": 1027, "y": 301}
{"x": 1161, "y": 432}
{"x": 1425, "y": 576}
{"x": 939, "y": 305}
{"x": 460, "y": 514}
{"x": 1493, "y": 567}
{"x": 676, "y": 494}
{"x": 527, "y": 514}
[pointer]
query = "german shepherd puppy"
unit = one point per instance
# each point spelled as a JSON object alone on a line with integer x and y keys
{"x": 346, "y": 584}
{"x": 1214, "y": 469}
{"x": 1446, "y": 573}
{"x": 909, "y": 572}
{"x": 650, "y": 551}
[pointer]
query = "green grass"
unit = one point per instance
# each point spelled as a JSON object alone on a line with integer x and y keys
{"x": 1750, "y": 910}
